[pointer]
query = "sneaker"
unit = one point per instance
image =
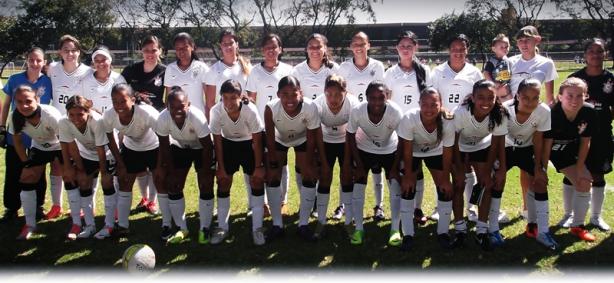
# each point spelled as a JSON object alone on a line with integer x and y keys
{"x": 267, "y": 210}
{"x": 120, "y": 231}
{"x": 395, "y": 238}
{"x": 547, "y": 240}
{"x": 320, "y": 231}
{"x": 204, "y": 236}
{"x": 503, "y": 218}
{"x": 496, "y": 239}
{"x": 75, "y": 229}
{"x": 218, "y": 235}
{"x": 357, "y": 237}
{"x": 459, "y": 240}
{"x": 305, "y": 233}
{"x": 87, "y": 232}
{"x": 339, "y": 212}
{"x": 166, "y": 233}
{"x": 434, "y": 216}
{"x": 531, "y": 230}
{"x": 483, "y": 241}
{"x": 152, "y": 208}
{"x": 284, "y": 209}
{"x": 349, "y": 230}
{"x": 54, "y": 212}
{"x": 275, "y": 232}
{"x": 582, "y": 233}
{"x": 104, "y": 233}
{"x": 444, "y": 241}
{"x": 419, "y": 217}
{"x": 142, "y": 204}
{"x": 472, "y": 215}
{"x": 407, "y": 243}
{"x": 258, "y": 237}
{"x": 600, "y": 223}
{"x": 9, "y": 216}
{"x": 26, "y": 233}
{"x": 378, "y": 213}
{"x": 178, "y": 237}
{"x": 565, "y": 222}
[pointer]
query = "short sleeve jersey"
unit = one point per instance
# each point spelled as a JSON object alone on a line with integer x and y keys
{"x": 358, "y": 80}
{"x": 540, "y": 68}
{"x": 264, "y": 84}
{"x": 425, "y": 143}
{"x": 190, "y": 80}
{"x": 221, "y": 72}
{"x": 452, "y": 86}
{"x": 334, "y": 125}
{"x": 566, "y": 134}
{"x": 138, "y": 134}
{"x": 404, "y": 86}
{"x": 100, "y": 93}
{"x": 242, "y": 129}
{"x": 601, "y": 96}
{"x": 87, "y": 141}
{"x": 65, "y": 84}
{"x": 312, "y": 82}
{"x": 521, "y": 134}
{"x": 292, "y": 131}
{"x": 151, "y": 83}
{"x": 376, "y": 138}
{"x": 475, "y": 135}
{"x": 45, "y": 134}
{"x": 194, "y": 128}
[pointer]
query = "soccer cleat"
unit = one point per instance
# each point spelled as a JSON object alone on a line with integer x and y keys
{"x": 25, "y": 233}
{"x": 204, "y": 236}
{"x": 531, "y": 230}
{"x": 320, "y": 231}
{"x": 378, "y": 213}
{"x": 305, "y": 233}
{"x": 275, "y": 232}
{"x": 472, "y": 215}
{"x": 358, "y": 237}
{"x": 9, "y": 216}
{"x": 258, "y": 237}
{"x": 434, "y": 216}
{"x": 419, "y": 217}
{"x": 496, "y": 239}
{"x": 178, "y": 237}
{"x": 105, "y": 232}
{"x": 314, "y": 210}
{"x": 459, "y": 240}
{"x": 503, "y": 218}
{"x": 267, "y": 210}
{"x": 582, "y": 233}
{"x": 218, "y": 235}
{"x": 483, "y": 241}
{"x": 249, "y": 213}
{"x": 166, "y": 233}
{"x": 87, "y": 232}
{"x": 407, "y": 243}
{"x": 75, "y": 229}
{"x": 339, "y": 212}
{"x": 142, "y": 204}
{"x": 546, "y": 240}
{"x": 565, "y": 222}
{"x": 600, "y": 223}
{"x": 54, "y": 212}
{"x": 395, "y": 238}
{"x": 120, "y": 231}
{"x": 152, "y": 208}
{"x": 349, "y": 230}
{"x": 444, "y": 241}
{"x": 284, "y": 209}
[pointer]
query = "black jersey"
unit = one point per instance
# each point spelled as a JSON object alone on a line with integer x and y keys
{"x": 151, "y": 83}
{"x": 566, "y": 134}
{"x": 601, "y": 96}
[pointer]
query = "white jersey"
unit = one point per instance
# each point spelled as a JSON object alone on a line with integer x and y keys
{"x": 100, "y": 93}
{"x": 425, "y": 143}
{"x": 334, "y": 125}
{"x": 312, "y": 82}
{"x": 358, "y": 80}
{"x": 194, "y": 128}
{"x": 453, "y": 87}
{"x": 45, "y": 134}
{"x": 138, "y": 134}
{"x": 64, "y": 84}
{"x": 220, "y": 72}
{"x": 264, "y": 84}
{"x": 521, "y": 135}
{"x": 191, "y": 80}
{"x": 540, "y": 68}
{"x": 249, "y": 122}
{"x": 87, "y": 141}
{"x": 292, "y": 131}
{"x": 380, "y": 138}
{"x": 474, "y": 135}
{"x": 404, "y": 86}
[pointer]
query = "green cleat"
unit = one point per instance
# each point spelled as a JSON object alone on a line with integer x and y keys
{"x": 395, "y": 239}
{"x": 358, "y": 237}
{"x": 204, "y": 236}
{"x": 178, "y": 237}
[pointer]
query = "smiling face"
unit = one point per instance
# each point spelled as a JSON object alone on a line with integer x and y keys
{"x": 102, "y": 64}
{"x": 334, "y": 97}
{"x": 78, "y": 116}
{"x": 122, "y": 102}
{"x": 572, "y": 98}
{"x": 271, "y": 50}
{"x": 360, "y": 45}
{"x": 26, "y": 102}
{"x": 406, "y": 48}
{"x": 594, "y": 55}
{"x": 458, "y": 52}
{"x": 232, "y": 101}
{"x": 178, "y": 107}
{"x": 229, "y": 46}
{"x": 69, "y": 52}
{"x": 151, "y": 53}
{"x": 376, "y": 100}
{"x": 430, "y": 106}
{"x": 316, "y": 49}
{"x": 36, "y": 62}
{"x": 528, "y": 99}
{"x": 184, "y": 49}
{"x": 527, "y": 45}
{"x": 290, "y": 97}
{"x": 484, "y": 100}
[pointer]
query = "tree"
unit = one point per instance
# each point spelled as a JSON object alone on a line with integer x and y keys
{"x": 325, "y": 14}
{"x": 480, "y": 31}
{"x": 509, "y": 15}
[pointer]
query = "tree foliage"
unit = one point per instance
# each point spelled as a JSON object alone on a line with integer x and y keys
{"x": 480, "y": 31}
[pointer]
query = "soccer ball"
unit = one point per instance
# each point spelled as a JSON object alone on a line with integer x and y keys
{"x": 139, "y": 258}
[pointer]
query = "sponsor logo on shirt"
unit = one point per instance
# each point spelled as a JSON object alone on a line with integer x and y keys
{"x": 607, "y": 86}
{"x": 582, "y": 127}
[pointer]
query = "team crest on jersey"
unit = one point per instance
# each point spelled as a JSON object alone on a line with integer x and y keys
{"x": 390, "y": 127}
{"x": 192, "y": 131}
{"x": 582, "y": 127}
{"x": 195, "y": 73}
{"x": 372, "y": 73}
{"x": 40, "y": 91}
{"x": 158, "y": 81}
{"x": 607, "y": 86}
{"x": 49, "y": 129}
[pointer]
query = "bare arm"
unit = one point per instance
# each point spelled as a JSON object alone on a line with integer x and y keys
{"x": 549, "y": 92}
{"x": 209, "y": 92}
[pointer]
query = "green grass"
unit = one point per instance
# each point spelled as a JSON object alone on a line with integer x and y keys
{"x": 50, "y": 250}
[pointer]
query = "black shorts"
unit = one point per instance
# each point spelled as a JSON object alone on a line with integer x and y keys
{"x": 334, "y": 151}
{"x": 139, "y": 161}
{"x": 521, "y": 157}
{"x": 599, "y": 158}
{"x": 183, "y": 158}
{"x": 37, "y": 157}
{"x": 375, "y": 162}
{"x": 92, "y": 166}
{"x": 299, "y": 148}
{"x": 431, "y": 162}
{"x": 563, "y": 156}
{"x": 238, "y": 153}
{"x": 477, "y": 156}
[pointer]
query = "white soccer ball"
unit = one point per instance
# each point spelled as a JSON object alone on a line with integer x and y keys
{"x": 139, "y": 258}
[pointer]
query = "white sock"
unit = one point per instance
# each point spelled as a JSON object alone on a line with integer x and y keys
{"x": 580, "y": 207}
{"x": 322, "y": 203}
{"x": 257, "y": 211}
{"x": 205, "y": 212}
{"x": 481, "y": 227}
{"x": 274, "y": 198}
{"x": 87, "y": 205}
{"x": 248, "y": 190}
{"x": 470, "y": 181}
{"x": 28, "y": 202}
{"x": 493, "y": 215}
{"x": 223, "y": 212}
{"x": 358, "y": 204}
{"x": 308, "y": 196}
{"x": 568, "y": 197}
{"x": 543, "y": 215}
{"x": 378, "y": 189}
{"x": 177, "y": 207}
{"x": 346, "y": 198}
{"x": 419, "y": 193}
{"x": 165, "y": 210}
{"x": 395, "y": 204}
{"x": 597, "y": 197}
{"x": 531, "y": 209}
{"x": 142, "y": 182}
{"x": 74, "y": 203}
{"x": 56, "y": 185}
{"x": 407, "y": 216}
{"x": 153, "y": 192}
{"x": 444, "y": 208}
{"x": 94, "y": 190}
{"x": 285, "y": 183}
{"x": 110, "y": 205}
{"x": 123, "y": 208}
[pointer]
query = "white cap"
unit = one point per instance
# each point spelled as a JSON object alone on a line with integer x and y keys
{"x": 103, "y": 53}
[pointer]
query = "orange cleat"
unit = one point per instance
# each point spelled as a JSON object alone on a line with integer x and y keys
{"x": 582, "y": 233}
{"x": 152, "y": 208}
{"x": 54, "y": 212}
{"x": 26, "y": 233}
{"x": 74, "y": 231}
{"x": 531, "y": 230}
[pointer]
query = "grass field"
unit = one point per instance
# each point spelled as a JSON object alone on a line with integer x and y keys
{"x": 49, "y": 250}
